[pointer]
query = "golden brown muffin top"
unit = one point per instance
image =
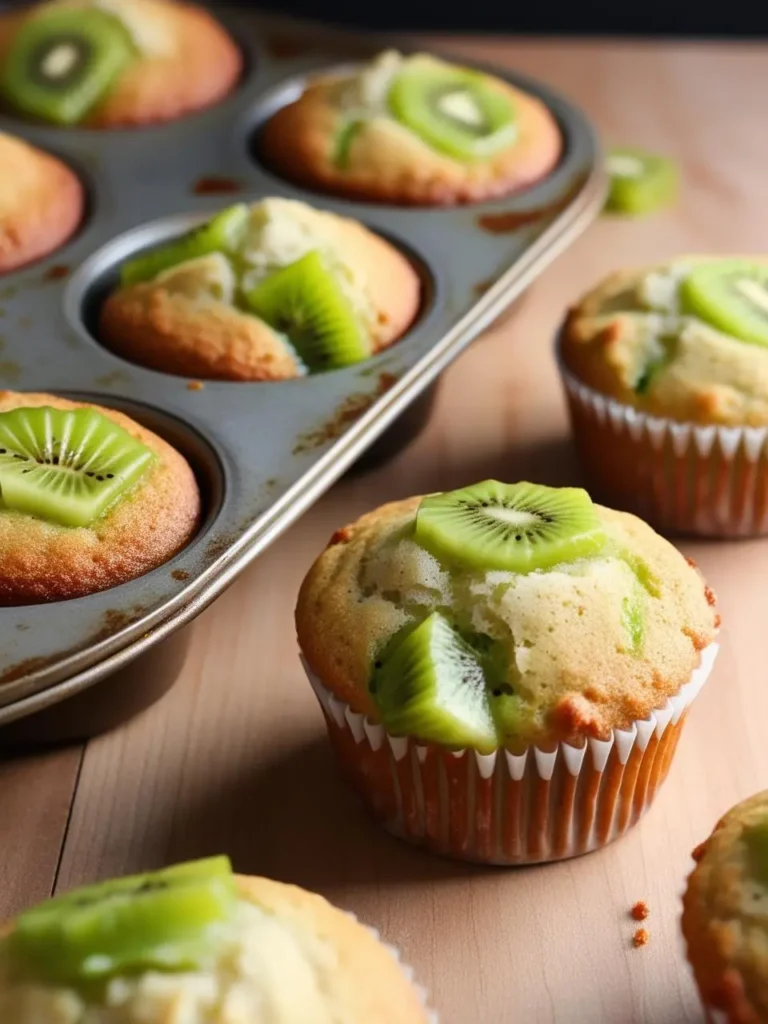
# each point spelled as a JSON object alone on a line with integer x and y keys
{"x": 725, "y": 916}
{"x": 570, "y": 659}
{"x": 627, "y": 338}
{"x": 43, "y": 561}
{"x": 170, "y": 38}
{"x": 41, "y": 202}
{"x": 288, "y": 957}
{"x": 185, "y": 320}
{"x": 387, "y": 162}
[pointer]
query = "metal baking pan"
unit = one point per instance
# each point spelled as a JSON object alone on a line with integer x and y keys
{"x": 263, "y": 452}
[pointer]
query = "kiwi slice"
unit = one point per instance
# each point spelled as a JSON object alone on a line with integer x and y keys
{"x": 732, "y": 295}
{"x": 756, "y": 838}
{"x": 67, "y": 466}
{"x": 518, "y": 527}
{"x": 304, "y": 302}
{"x": 640, "y": 182}
{"x": 222, "y": 233}
{"x": 432, "y": 685}
{"x": 63, "y": 61}
{"x": 633, "y": 620}
{"x": 159, "y": 921}
{"x": 343, "y": 143}
{"x": 454, "y": 110}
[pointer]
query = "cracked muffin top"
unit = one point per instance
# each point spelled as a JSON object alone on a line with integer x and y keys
{"x": 687, "y": 340}
{"x": 725, "y": 914}
{"x": 269, "y": 291}
{"x": 413, "y": 130}
{"x": 113, "y": 63}
{"x": 503, "y": 614}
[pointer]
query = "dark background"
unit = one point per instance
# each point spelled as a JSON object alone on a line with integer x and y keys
{"x": 556, "y": 17}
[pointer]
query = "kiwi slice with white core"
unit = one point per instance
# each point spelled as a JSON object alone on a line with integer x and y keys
{"x": 731, "y": 295}
{"x": 431, "y": 684}
{"x": 305, "y": 302}
{"x": 640, "y": 182}
{"x": 455, "y": 111}
{"x": 223, "y": 233}
{"x": 66, "y": 466}
{"x": 518, "y": 527}
{"x": 164, "y": 921}
{"x": 63, "y": 61}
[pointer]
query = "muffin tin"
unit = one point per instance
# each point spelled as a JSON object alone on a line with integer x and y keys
{"x": 264, "y": 452}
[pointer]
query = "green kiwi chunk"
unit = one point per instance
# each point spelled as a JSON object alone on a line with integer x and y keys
{"x": 344, "y": 140}
{"x": 432, "y": 684}
{"x": 454, "y": 110}
{"x": 66, "y": 466}
{"x": 633, "y": 620}
{"x": 731, "y": 295}
{"x": 640, "y": 182}
{"x": 304, "y": 302}
{"x": 222, "y": 233}
{"x": 518, "y": 527}
{"x": 756, "y": 838}
{"x": 63, "y": 62}
{"x": 161, "y": 920}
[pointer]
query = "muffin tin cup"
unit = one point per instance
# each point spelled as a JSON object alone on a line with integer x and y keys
{"x": 502, "y": 808}
{"x": 683, "y": 478}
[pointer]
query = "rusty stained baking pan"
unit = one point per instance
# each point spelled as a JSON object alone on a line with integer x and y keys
{"x": 264, "y": 452}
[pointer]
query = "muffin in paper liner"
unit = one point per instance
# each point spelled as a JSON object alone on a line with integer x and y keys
{"x": 684, "y": 478}
{"x": 501, "y": 808}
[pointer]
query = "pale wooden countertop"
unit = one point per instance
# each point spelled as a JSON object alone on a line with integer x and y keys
{"x": 234, "y": 759}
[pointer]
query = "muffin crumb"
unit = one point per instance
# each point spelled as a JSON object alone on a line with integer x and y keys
{"x": 640, "y": 910}
{"x": 195, "y": 385}
{"x": 640, "y": 938}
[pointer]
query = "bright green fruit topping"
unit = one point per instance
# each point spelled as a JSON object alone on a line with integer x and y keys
{"x": 639, "y": 182}
{"x": 432, "y": 684}
{"x": 223, "y": 233}
{"x": 756, "y": 839}
{"x": 63, "y": 62}
{"x": 633, "y": 620}
{"x": 305, "y": 302}
{"x": 343, "y": 143}
{"x": 158, "y": 921}
{"x": 731, "y": 295}
{"x": 456, "y": 111}
{"x": 67, "y": 466}
{"x": 517, "y": 527}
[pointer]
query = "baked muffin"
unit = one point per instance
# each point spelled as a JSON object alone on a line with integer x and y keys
{"x": 725, "y": 915}
{"x": 529, "y": 656}
{"x": 90, "y": 499}
{"x": 412, "y": 130}
{"x": 262, "y": 292}
{"x": 113, "y": 63}
{"x": 41, "y": 203}
{"x": 195, "y": 944}
{"x": 666, "y": 371}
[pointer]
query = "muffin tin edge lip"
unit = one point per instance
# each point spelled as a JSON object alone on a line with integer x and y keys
{"x": 105, "y": 260}
{"x": 290, "y": 87}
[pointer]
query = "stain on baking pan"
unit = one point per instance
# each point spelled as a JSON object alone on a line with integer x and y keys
{"x": 213, "y": 185}
{"x": 350, "y": 409}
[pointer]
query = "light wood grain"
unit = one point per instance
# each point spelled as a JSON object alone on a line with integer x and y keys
{"x": 235, "y": 759}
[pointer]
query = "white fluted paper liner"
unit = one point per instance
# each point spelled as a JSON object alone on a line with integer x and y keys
{"x": 504, "y": 808}
{"x": 407, "y": 970}
{"x": 716, "y": 1016}
{"x": 705, "y": 479}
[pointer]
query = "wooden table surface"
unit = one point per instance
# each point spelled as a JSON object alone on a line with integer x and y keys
{"x": 234, "y": 757}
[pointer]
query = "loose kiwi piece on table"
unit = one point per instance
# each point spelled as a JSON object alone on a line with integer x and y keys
{"x": 223, "y": 233}
{"x": 304, "y": 302}
{"x": 63, "y": 61}
{"x": 640, "y": 182}
{"x": 454, "y": 110}
{"x": 161, "y": 920}
{"x": 732, "y": 295}
{"x": 66, "y": 466}
{"x": 517, "y": 527}
{"x": 432, "y": 685}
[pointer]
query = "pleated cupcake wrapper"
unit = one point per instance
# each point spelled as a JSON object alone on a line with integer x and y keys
{"x": 689, "y": 478}
{"x": 715, "y": 1016}
{"x": 408, "y": 971}
{"x": 503, "y": 808}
